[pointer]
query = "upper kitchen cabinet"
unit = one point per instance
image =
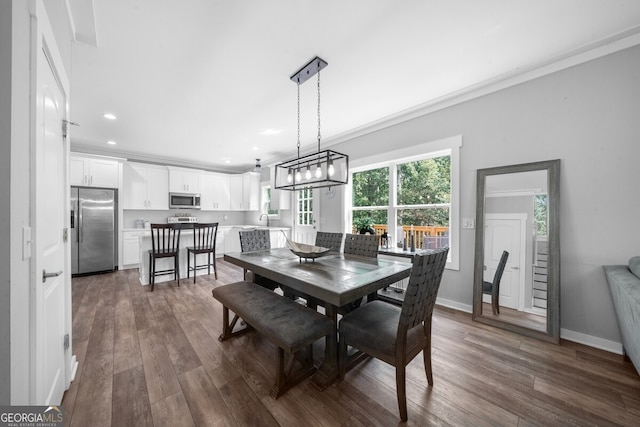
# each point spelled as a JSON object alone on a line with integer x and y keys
{"x": 245, "y": 192}
{"x": 145, "y": 186}
{"x": 215, "y": 192}
{"x": 94, "y": 171}
{"x": 184, "y": 180}
{"x": 251, "y": 191}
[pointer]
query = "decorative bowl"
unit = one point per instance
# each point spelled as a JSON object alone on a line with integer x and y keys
{"x": 306, "y": 251}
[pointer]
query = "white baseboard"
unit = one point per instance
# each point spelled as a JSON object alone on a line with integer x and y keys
{"x": 454, "y": 305}
{"x": 591, "y": 341}
{"x": 579, "y": 337}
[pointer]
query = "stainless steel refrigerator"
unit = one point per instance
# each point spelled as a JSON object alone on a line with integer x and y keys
{"x": 93, "y": 230}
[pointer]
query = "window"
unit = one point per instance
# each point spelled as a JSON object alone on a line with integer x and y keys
{"x": 305, "y": 206}
{"x": 266, "y": 202}
{"x": 410, "y": 192}
{"x": 540, "y": 214}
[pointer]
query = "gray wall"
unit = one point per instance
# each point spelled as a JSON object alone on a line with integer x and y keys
{"x": 587, "y": 116}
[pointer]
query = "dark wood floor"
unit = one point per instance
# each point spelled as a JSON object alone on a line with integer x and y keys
{"x": 153, "y": 358}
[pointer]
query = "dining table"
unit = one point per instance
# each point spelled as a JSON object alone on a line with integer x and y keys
{"x": 335, "y": 280}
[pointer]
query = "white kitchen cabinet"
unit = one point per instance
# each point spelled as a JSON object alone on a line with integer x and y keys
{"x": 236, "y": 199}
{"x": 222, "y": 235}
{"x": 215, "y": 194}
{"x": 184, "y": 180}
{"x": 145, "y": 187}
{"x": 251, "y": 191}
{"x": 245, "y": 192}
{"x": 93, "y": 172}
{"x": 131, "y": 247}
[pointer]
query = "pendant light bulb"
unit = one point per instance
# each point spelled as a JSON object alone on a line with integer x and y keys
{"x": 330, "y": 169}
{"x": 298, "y": 175}
{"x": 318, "y": 171}
{"x": 307, "y": 174}
{"x": 290, "y": 177}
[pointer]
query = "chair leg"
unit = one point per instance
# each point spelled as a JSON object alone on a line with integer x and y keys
{"x": 215, "y": 269}
{"x": 401, "y": 391}
{"x": 195, "y": 266}
{"x": 176, "y": 267}
{"x": 189, "y": 266}
{"x": 152, "y": 270}
{"x": 494, "y": 305}
{"x": 426, "y": 352}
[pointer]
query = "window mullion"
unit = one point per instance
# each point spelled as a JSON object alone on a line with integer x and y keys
{"x": 392, "y": 213}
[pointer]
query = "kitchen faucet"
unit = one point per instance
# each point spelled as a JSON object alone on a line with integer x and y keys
{"x": 260, "y": 219}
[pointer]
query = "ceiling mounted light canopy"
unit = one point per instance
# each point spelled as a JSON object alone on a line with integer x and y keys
{"x": 321, "y": 169}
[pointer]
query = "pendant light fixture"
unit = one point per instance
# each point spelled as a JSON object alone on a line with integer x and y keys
{"x": 321, "y": 169}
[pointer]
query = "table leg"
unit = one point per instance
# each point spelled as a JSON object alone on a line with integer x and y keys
{"x": 327, "y": 373}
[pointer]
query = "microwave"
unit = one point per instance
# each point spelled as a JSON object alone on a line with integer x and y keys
{"x": 184, "y": 201}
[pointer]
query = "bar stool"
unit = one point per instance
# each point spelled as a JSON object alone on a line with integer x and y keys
{"x": 165, "y": 243}
{"x": 204, "y": 242}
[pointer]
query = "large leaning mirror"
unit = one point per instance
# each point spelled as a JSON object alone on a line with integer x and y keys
{"x": 517, "y": 254}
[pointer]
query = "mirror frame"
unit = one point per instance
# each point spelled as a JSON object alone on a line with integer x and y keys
{"x": 553, "y": 264}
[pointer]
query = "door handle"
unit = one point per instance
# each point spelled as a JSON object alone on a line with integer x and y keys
{"x": 515, "y": 268}
{"x": 46, "y": 275}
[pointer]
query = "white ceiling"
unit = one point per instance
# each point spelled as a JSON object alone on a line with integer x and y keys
{"x": 198, "y": 82}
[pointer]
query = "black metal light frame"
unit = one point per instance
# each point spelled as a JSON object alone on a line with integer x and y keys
{"x": 325, "y": 168}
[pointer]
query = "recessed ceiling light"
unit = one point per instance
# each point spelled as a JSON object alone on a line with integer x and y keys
{"x": 254, "y": 148}
{"x": 110, "y": 142}
{"x": 227, "y": 161}
{"x": 109, "y": 116}
{"x": 271, "y": 131}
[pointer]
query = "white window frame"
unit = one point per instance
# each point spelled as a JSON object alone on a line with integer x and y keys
{"x": 442, "y": 147}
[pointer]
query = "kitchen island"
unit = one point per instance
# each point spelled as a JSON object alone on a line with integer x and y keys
{"x": 226, "y": 243}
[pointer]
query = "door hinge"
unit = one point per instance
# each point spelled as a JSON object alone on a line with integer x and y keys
{"x": 65, "y": 235}
{"x": 66, "y": 341}
{"x": 65, "y": 127}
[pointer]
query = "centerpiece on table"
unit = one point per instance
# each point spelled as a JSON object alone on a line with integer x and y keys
{"x": 305, "y": 251}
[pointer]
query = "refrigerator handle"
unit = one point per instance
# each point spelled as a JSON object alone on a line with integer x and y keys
{"x": 80, "y": 231}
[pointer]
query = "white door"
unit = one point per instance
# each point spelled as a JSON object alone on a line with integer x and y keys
{"x": 52, "y": 282}
{"x": 307, "y": 212}
{"x": 505, "y": 233}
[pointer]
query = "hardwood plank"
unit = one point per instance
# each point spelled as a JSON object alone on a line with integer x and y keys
{"x": 158, "y": 370}
{"x": 93, "y": 404}
{"x": 178, "y": 346}
{"x": 245, "y": 407}
{"x": 172, "y": 411}
{"x": 130, "y": 399}
{"x": 206, "y": 405}
{"x": 218, "y": 367}
{"x": 126, "y": 351}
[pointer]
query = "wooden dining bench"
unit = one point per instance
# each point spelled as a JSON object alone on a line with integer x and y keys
{"x": 291, "y": 326}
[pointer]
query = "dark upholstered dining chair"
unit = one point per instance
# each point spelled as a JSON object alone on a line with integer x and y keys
{"x": 493, "y": 288}
{"x": 332, "y": 241}
{"x": 165, "y": 243}
{"x": 254, "y": 241}
{"x": 204, "y": 242}
{"x": 361, "y": 244}
{"x": 395, "y": 334}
